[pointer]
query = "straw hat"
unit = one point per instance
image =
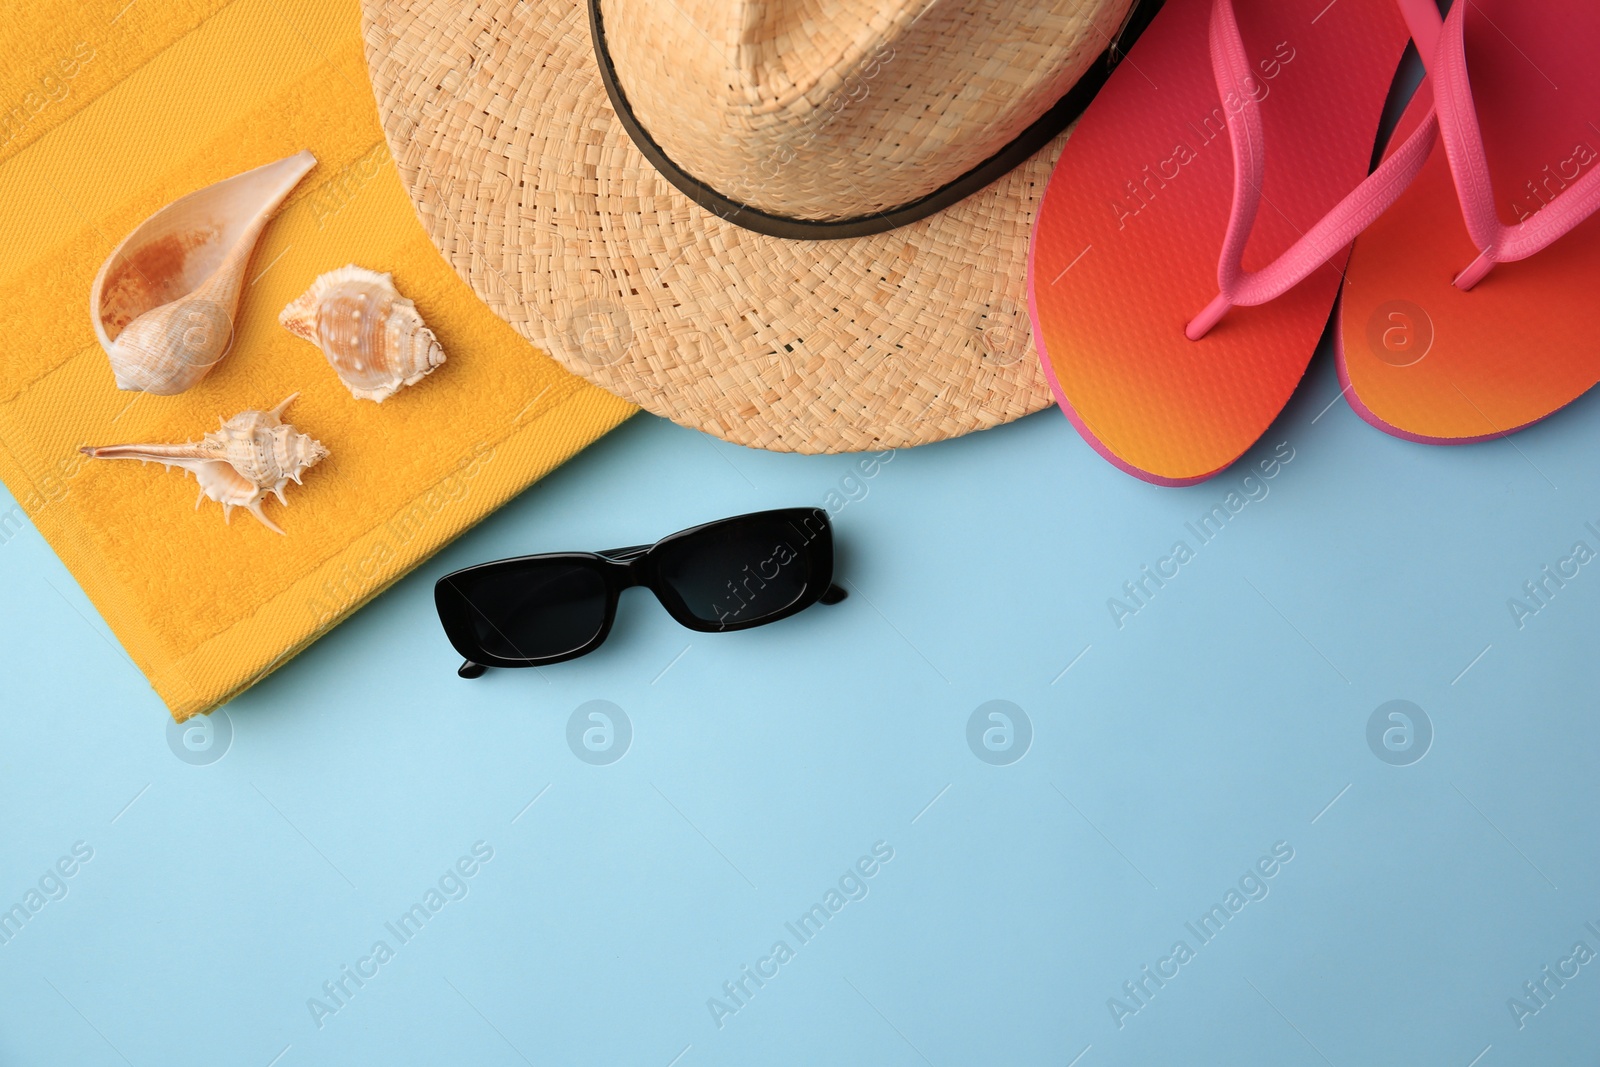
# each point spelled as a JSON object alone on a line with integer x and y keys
{"x": 795, "y": 224}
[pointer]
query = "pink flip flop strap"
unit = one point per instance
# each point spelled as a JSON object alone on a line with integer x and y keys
{"x": 1463, "y": 145}
{"x": 1246, "y": 134}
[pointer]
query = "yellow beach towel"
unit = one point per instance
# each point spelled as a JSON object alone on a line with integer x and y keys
{"x": 115, "y": 108}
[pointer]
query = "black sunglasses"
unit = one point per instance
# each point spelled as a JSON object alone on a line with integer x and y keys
{"x": 725, "y": 575}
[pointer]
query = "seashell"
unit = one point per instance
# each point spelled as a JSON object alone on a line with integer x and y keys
{"x": 253, "y": 454}
{"x": 372, "y": 335}
{"x": 163, "y": 303}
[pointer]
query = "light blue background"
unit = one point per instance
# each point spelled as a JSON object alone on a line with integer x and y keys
{"x": 1229, "y": 714}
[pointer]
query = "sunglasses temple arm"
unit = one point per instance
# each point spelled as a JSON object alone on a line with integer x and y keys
{"x": 469, "y": 669}
{"x": 833, "y": 595}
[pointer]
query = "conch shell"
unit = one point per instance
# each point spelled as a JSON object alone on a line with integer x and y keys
{"x": 372, "y": 335}
{"x": 253, "y": 454}
{"x": 163, "y": 303}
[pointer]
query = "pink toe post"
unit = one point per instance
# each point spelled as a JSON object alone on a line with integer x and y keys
{"x": 1446, "y": 61}
{"x": 1331, "y": 233}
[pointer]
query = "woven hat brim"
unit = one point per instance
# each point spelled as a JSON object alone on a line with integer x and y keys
{"x": 529, "y": 186}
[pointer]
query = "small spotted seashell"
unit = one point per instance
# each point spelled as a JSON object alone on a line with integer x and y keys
{"x": 372, "y": 336}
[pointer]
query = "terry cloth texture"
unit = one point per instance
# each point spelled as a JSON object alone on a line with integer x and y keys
{"x": 113, "y": 109}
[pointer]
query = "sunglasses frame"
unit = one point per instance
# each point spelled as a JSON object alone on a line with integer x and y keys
{"x": 637, "y": 565}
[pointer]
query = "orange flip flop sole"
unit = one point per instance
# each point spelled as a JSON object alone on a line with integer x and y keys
{"x": 1125, "y": 247}
{"x": 1426, "y": 361}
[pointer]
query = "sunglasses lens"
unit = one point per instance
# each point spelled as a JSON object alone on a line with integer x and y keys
{"x": 747, "y": 569}
{"x": 529, "y": 609}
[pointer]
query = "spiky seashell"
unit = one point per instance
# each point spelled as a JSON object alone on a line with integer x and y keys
{"x": 373, "y": 336}
{"x": 164, "y": 301}
{"x": 253, "y": 454}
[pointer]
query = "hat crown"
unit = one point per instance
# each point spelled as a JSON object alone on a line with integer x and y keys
{"x": 836, "y": 109}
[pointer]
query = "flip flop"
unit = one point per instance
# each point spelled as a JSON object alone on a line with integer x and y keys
{"x": 1205, "y": 139}
{"x": 1432, "y": 345}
